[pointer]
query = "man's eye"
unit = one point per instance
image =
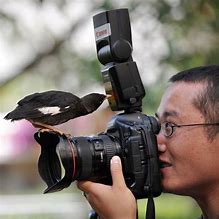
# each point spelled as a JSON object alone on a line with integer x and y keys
{"x": 169, "y": 124}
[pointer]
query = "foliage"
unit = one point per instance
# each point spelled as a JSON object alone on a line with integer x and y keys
{"x": 192, "y": 32}
{"x": 168, "y": 36}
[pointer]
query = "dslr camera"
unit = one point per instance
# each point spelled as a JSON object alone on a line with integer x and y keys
{"x": 130, "y": 134}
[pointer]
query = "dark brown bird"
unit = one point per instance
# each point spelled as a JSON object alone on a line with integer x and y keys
{"x": 51, "y": 108}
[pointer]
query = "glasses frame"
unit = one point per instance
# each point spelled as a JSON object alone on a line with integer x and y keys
{"x": 173, "y": 126}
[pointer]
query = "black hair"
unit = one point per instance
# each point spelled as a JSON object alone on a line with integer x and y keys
{"x": 207, "y": 102}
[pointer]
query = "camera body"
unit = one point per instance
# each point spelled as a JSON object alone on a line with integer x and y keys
{"x": 130, "y": 134}
{"x": 135, "y": 133}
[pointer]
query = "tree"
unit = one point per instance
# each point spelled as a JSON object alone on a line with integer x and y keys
{"x": 58, "y": 44}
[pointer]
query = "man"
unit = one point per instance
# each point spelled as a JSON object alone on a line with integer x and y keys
{"x": 188, "y": 145}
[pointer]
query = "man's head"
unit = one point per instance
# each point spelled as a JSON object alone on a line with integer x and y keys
{"x": 189, "y": 155}
{"x": 207, "y": 101}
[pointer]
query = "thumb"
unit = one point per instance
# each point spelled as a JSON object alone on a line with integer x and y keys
{"x": 116, "y": 172}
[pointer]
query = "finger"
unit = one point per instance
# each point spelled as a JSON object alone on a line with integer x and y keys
{"x": 116, "y": 172}
{"x": 85, "y": 186}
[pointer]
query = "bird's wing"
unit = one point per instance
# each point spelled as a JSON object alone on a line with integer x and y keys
{"x": 49, "y": 98}
{"x": 27, "y": 99}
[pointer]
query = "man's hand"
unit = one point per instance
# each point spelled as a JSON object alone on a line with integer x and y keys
{"x": 111, "y": 202}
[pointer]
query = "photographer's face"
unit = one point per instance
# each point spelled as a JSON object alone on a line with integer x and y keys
{"x": 190, "y": 158}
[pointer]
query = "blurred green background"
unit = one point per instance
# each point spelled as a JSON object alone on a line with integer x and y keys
{"x": 49, "y": 44}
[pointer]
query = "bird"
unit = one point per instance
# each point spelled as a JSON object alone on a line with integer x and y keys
{"x": 50, "y": 108}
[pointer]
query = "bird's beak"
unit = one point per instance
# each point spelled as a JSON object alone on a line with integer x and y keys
{"x": 108, "y": 96}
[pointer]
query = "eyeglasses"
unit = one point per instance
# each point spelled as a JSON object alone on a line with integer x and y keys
{"x": 168, "y": 128}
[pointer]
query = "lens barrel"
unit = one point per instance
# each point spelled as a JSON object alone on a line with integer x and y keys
{"x": 93, "y": 156}
{"x": 65, "y": 160}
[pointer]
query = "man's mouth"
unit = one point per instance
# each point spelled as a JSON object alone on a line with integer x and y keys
{"x": 164, "y": 164}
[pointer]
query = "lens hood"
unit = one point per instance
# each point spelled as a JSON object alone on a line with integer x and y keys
{"x": 55, "y": 152}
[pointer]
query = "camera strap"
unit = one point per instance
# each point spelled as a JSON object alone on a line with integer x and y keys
{"x": 150, "y": 213}
{"x": 93, "y": 215}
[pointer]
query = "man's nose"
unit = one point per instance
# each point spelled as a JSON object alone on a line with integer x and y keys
{"x": 161, "y": 143}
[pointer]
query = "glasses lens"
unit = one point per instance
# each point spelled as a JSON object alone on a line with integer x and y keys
{"x": 167, "y": 129}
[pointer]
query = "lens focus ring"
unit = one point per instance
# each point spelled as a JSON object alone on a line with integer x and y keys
{"x": 110, "y": 148}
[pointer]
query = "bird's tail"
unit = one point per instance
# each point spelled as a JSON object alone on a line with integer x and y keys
{"x": 14, "y": 115}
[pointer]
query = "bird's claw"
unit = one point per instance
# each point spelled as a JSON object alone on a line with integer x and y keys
{"x": 56, "y": 131}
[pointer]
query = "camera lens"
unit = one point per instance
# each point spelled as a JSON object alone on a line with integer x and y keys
{"x": 93, "y": 155}
{"x": 64, "y": 160}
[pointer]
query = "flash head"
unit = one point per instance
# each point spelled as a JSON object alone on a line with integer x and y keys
{"x": 113, "y": 36}
{"x": 114, "y": 50}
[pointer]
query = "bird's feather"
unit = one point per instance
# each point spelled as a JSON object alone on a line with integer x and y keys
{"x": 54, "y": 107}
